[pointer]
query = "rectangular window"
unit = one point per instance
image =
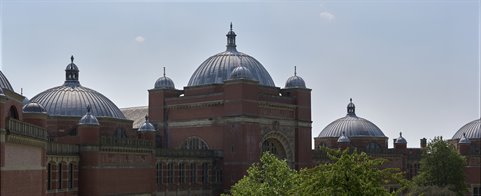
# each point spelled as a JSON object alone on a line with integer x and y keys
{"x": 181, "y": 173}
{"x": 70, "y": 176}
{"x": 205, "y": 173}
{"x": 476, "y": 191}
{"x": 193, "y": 173}
{"x": 159, "y": 173}
{"x": 59, "y": 176}
{"x": 170, "y": 173}
{"x": 49, "y": 176}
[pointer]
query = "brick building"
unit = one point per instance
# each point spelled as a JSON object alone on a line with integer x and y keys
{"x": 198, "y": 140}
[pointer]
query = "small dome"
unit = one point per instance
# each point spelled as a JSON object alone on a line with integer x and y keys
{"x": 146, "y": 126}
{"x": 218, "y": 68}
{"x": 352, "y": 125}
{"x": 343, "y": 138}
{"x": 400, "y": 139}
{"x": 471, "y": 130}
{"x": 295, "y": 81}
{"x": 4, "y": 82}
{"x": 164, "y": 82}
{"x": 34, "y": 107}
{"x": 241, "y": 72}
{"x": 464, "y": 140}
{"x": 88, "y": 119}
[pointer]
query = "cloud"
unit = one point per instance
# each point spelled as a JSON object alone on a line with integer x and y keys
{"x": 139, "y": 39}
{"x": 327, "y": 16}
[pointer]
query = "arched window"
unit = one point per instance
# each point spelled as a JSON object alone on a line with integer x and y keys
{"x": 170, "y": 173}
{"x": 194, "y": 143}
{"x": 193, "y": 173}
{"x": 275, "y": 147}
{"x": 181, "y": 173}
{"x": 13, "y": 113}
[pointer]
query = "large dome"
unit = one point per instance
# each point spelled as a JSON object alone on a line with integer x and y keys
{"x": 218, "y": 68}
{"x": 472, "y": 130}
{"x": 4, "y": 84}
{"x": 352, "y": 125}
{"x": 72, "y": 99}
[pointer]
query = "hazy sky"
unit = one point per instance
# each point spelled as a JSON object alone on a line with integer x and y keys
{"x": 410, "y": 66}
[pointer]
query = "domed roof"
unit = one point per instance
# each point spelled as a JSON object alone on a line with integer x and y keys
{"x": 352, "y": 125}
{"x": 241, "y": 72}
{"x": 400, "y": 139}
{"x": 33, "y": 107}
{"x": 146, "y": 126}
{"x": 4, "y": 82}
{"x": 88, "y": 119}
{"x": 295, "y": 81}
{"x": 164, "y": 82}
{"x": 219, "y": 67}
{"x": 343, "y": 138}
{"x": 72, "y": 99}
{"x": 471, "y": 130}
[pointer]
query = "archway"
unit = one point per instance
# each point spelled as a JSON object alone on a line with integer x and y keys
{"x": 275, "y": 147}
{"x": 13, "y": 112}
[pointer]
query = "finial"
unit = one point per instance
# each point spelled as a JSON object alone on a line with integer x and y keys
{"x": 21, "y": 91}
{"x": 231, "y": 26}
{"x": 464, "y": 134}
{"x": 344, "y": 133}
{"x": 295, "y": 71}
{"x": 350, "y": 100}
{"x": 71, "y": 59}
{"x": 146, "y": 118}
{"x": 88, "y": 108}
{"x": 400, "y": 134}
{"x": 164, "y": 71}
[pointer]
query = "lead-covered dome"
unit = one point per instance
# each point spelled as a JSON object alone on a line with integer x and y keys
{"x": 295, "y": 81}
{"x": 4, "y": 84}
{"x": 471, "y": 130}
{"x": 33, "y": 107}
{"x": 241, "y": 72}
{"x": 164, "y": 82}
{"x": 352, "y": 126}
{"x": 72, "y": 99}
{"x": 219, "y": 67}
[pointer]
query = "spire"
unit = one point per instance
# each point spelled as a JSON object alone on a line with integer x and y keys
{"x": 71, "y": 59}
{"x": 295, "y": 71}
{"x": 231, "y": 40}
{"x": 164, "y": 71}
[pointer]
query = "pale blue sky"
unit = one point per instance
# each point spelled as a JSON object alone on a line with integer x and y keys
{"x": 410, "y": 66}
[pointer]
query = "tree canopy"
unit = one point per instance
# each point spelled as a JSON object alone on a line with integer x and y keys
{"x": 442, "y": 166}
{"x": 270, "y": 176}
{"x": 348, "y": 173}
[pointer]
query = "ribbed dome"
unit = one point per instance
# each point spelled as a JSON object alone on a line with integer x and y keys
{"x": 352, "y": 125}
{"x": 471, "y": 130}
{"x": 241, "y": 72}
{"x": 72, "y": 99}
{"x": 219, "y": 67}
{"x": 88, "y": 119}
{"x": 146, "y": 126}
{"x": 34, "y": 107}
{"x": 295, "y": 81}
{"x": 164, "y": 82}
{"x": 4, "y": 82}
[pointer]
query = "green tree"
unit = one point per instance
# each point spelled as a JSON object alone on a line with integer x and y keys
{"x": 270, "y": 176}
{"x": 441, "y": 165}
{"x": 349, "y": 173}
